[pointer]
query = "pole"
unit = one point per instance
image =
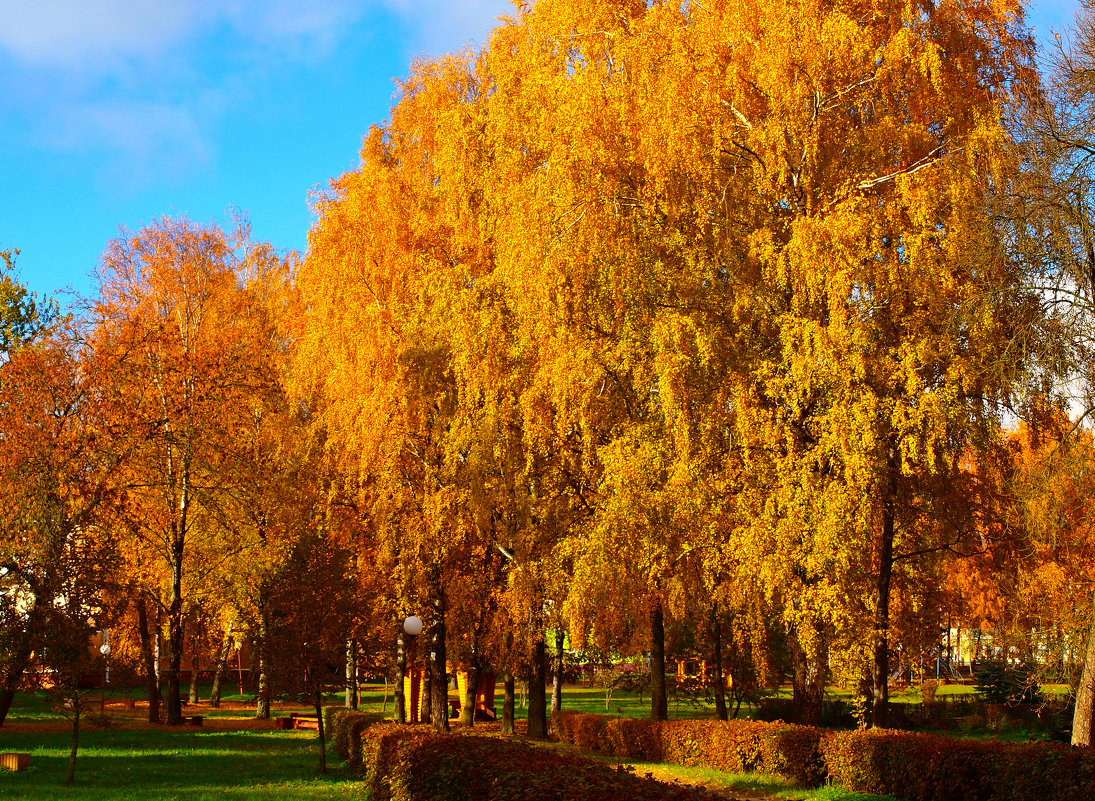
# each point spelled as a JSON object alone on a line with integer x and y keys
{"x": 416, "y": 691}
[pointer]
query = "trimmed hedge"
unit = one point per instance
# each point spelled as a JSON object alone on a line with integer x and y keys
{"x": 737, "y": 745}
{"x": 343, "y": 729}
{"x": 925, "y": 767}
{"x": 915, "y": 767}
{"x": 330, "y": 715}
{"x": 411, "y": 764}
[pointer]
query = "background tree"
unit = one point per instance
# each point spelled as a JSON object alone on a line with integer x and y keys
{"x": 57, "y": 482}
{"x": 188, "y": 345}
{"x": 23, "y": 315}
{"x": 314, "y": 606}
{"x": 1048, "y": 216}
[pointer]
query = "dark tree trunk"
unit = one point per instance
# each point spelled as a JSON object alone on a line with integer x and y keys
{"x": 222, "y": 669}
{"x": 262, "y": 699}
{"x": 810, "y": 674}
{"x": 537, "y": 694}
{"x": 425, "y": 696}
{"x": 557, "y": 679}
{"x": 195, "y": 666}
{"x": 148, "y": 656}
{"x": 467, "y": 711}
{"x": 880, "y": 690}
{"x": 351, "y": 674}
{"x": 70, "y": 774}
{"x": 175, "y": 622}
{"x": 659, "y": 700}
{"x": 6, "y": 697}
{"x": 14, "y": 673}
{"x": 718, "y": 679}
{"x": 439, "y": 678}
{"x": 798, "y": 678}
{"x": 508, "y": 698}
{"x": 400, "y": 673}
{"x": 176, "y": 631}
{"x": 321, "y": 733}
{"x": 1083, "y": 721}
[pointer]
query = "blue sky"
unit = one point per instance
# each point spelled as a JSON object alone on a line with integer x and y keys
{"x": 117, "y": 112}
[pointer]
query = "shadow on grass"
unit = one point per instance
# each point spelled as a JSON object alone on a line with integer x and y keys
{"x": 184, "y": 765}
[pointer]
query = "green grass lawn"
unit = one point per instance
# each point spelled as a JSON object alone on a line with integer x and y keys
{"x": 750, "y": 784}
{"x": 122, "y": 762}
{"x": 188, "y": 764}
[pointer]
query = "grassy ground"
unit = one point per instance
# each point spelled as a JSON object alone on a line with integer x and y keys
{"x": 733, "y": 785}
{"x": 232, "y": 757}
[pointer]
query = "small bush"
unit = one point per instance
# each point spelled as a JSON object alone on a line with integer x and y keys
{"x": 1001, "y": 683}
{"x": 928, "y": 689}
{"x": 406, "y": 764}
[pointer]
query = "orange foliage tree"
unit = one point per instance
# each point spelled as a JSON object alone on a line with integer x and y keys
{"x": 738, "y": 248}
{"x": 57, "y": 547}
{"x": 190, "y": 352}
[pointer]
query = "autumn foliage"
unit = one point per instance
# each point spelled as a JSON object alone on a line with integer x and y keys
{"x": 686, "y": 329}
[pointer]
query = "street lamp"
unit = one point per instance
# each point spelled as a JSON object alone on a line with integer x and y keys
{"x": 104, "y": 649}
{"x": 412, "y": 627}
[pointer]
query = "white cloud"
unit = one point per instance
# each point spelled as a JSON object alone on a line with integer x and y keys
{"x": 141, "y": 140}
{"x": 73, "y": 32}
{"x": 142, "y": 86}
{"x": 100, "y": 34}
{"x": 440, "y": 27}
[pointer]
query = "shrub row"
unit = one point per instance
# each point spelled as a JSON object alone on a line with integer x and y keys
{"x": 926, "y": 767}
{"x": 916, "y": 767}
{"x": 737, "y": 745}
{"x": 343, "y": 729}
{"x": 414, "y": 764}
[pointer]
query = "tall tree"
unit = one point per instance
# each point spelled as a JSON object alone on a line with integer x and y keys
{"x": 172, "y": 316}
{"x": 57, "y": 479}
{"x": 1049, "y": 216}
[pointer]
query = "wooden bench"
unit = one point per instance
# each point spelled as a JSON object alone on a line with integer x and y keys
{"x": 192, "y": 720}
{"x": 15, "y": 761}
{"x": 298, "y": 721}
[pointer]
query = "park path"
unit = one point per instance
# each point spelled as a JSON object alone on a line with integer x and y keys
{"x": 668, "y": 774}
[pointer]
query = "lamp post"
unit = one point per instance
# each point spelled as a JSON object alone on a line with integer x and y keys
{"x": 239, "y": 661}
{"x": 104, "y": 649}
{"x": 412, "y": 627}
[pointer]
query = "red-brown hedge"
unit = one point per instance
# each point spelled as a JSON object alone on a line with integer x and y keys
{"x": 405, "y": 764}
{"x": 915, "y": 767}
{"x": 925, "y": 767}
{"x": 736, "y": 745}
{"x": 347, "y": 734}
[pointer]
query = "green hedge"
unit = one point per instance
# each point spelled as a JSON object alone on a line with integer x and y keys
{"x": 330, "y": 716}
{"x": 925, "y": 767}
{"x": 738, "y": 745}
{"x": 414, "y": 764}
{"x": 343, "y": 729}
